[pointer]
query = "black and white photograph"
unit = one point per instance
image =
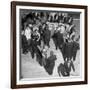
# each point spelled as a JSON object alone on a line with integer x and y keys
{"x": 50, "y": 44}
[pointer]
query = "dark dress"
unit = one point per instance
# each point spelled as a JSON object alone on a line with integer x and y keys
{"x": 64, "y": 69}
{"x": 24, "y": 44}
{"x": 50, "y": 63}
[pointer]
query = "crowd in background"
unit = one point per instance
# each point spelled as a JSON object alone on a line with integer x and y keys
{"x": 38, "y": 28}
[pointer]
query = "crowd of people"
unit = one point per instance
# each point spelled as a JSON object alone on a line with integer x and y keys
{"x": 38, "y": 28}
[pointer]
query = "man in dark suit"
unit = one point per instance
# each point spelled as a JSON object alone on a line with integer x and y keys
{"x": 58, "y": 39}
{"x": 46, "y": 35}
{"x": 24, "y": 43}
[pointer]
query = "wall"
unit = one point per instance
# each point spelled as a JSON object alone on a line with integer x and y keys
{"x": 5, "y": 44}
